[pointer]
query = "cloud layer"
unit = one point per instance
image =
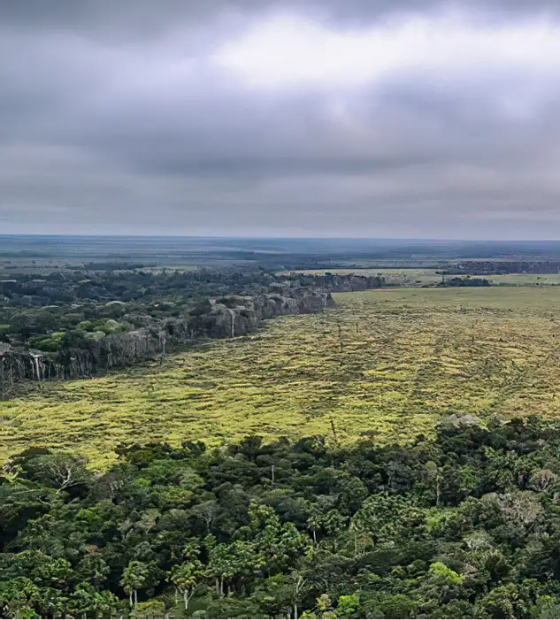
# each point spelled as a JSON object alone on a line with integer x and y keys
{"x": 333, "y": 118}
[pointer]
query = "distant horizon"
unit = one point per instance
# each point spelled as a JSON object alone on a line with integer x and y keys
{"x": 279, "y": 238}
{"x": 359, "y": 240}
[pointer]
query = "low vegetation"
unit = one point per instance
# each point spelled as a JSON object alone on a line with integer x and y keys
{"x": 389, "y": 362}
{"x": 414, "y": 276}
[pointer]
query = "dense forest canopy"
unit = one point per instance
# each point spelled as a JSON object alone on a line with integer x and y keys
{"x": 52, "y": 312}
{"x": 465, "y": 525}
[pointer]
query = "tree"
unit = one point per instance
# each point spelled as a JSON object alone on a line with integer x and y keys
{"x": 505, "y": 601}
{"x": 94, "y": 569}
{"x": 274, "y": 597}
{"x": 297, "y": 582}
{"x": 348, "y": 605}
{"x": 86, "y": 599}
{"x": 19, "y": 598}
{"x": 442, "y": 583}
{"x": 220, "y": 566}
{"x": 185, "y": 579}
{"x": 59, "y": 471}
{"x": 135, "y": 577}
{"x": 314, "y": 523}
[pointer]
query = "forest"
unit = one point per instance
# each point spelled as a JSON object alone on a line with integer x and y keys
{"x": 81, "y": 323}
{"x": 464, "y": 525}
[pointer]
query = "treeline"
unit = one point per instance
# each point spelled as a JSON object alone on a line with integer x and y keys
{"x": 84, "y": 285}
{"x": 78, "y": 287}
{"x": 113, "y": 319}
{"x": 466, "y": 525}
{"x": 101, "y": 345}
{"x": 58, "y": 312}
{"x": 502, "y": 267}
{"x": 468, "y": 281}
{"x": 51, "y": 313}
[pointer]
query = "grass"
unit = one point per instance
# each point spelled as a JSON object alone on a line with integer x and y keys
{"x": 527, "y": 279}
{"x": 392, "y": 276}
{"x": 419, "y": 277}
{"x": 391, "y": 361}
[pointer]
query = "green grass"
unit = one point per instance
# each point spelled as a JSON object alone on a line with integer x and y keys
{"x": 392, "y": 276}
{"x": 527, "y": 279}
{"x": 418, "y": 277}
{"x": 405, "y": 359}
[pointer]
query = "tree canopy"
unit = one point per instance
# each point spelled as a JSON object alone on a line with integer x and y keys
{"x": 462, "y": 525}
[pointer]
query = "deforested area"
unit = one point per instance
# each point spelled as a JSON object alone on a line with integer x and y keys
{"x": 392, "y": 363}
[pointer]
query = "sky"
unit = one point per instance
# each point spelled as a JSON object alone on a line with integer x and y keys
{"x": 279, "y": 118}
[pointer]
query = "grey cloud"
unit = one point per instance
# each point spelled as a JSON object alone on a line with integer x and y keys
{"x": 147, "y": 18}
{"x": 100, "y": 132}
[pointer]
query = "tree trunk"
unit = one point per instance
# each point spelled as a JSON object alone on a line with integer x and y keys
{"x": 135, "y": 598}
{"x": 2, "y": 380}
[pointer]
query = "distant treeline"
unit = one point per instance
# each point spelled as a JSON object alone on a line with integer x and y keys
{"x": 497, "y": 267}
{"x": 468, "y": 281}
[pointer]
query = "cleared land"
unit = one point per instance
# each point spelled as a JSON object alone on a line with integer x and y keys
{"x": 419, "y": 277}
{"x": 392, "y": 276}
{"x": 392, "y": 362}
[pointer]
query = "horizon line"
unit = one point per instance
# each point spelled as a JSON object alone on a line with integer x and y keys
{"x": 270, "y": 238}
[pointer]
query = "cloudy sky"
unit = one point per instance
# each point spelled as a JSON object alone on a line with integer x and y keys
{"x": 360, "y": 118}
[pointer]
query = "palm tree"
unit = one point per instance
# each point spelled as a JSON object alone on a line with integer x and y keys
{"x": 134, "y": 577}
{"x": 185, "y": 578}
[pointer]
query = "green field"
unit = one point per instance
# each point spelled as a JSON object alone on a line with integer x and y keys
{"x": 408, "y": 277}
{"x": 420, "y": 277}
{"x": 391, "y": 362}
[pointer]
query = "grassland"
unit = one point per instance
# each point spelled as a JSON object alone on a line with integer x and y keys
{"x": 408, "y": 277}
{"x": 392, "y": 362}
{"x": 420, "y": 277}
{"x": 527, "y": 279}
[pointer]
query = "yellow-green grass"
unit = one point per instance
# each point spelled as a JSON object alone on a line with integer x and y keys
{"x": 429, "y": 276}
{"x": 392, "y": 276}
{"x": 390, "y": 361}
{"x": 526, "y": 279}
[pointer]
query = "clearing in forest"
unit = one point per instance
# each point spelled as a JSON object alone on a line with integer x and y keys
{"x": 389, "y": 362}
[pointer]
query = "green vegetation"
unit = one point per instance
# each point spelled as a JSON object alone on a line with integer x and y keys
{"x": 389, "y": 362}
{"x": 110, "y": 319}
{"x": 393, "y": 456}
{"x": 527, "y": 279}
{"x": 395, "y": 277}
{"x": 38, "y": 312}
{"x": 464, "y": 525}
{"x": 431, "y": 277}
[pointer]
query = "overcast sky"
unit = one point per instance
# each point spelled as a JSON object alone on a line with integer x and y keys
{"x": 363, "y": 118}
